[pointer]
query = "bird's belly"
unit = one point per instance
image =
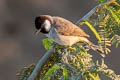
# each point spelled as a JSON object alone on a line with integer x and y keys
{"x": 64, "y": 40}
{"x": 69, "y": 40}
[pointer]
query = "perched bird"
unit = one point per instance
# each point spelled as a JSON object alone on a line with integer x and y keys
{"x": 61, "y": 31}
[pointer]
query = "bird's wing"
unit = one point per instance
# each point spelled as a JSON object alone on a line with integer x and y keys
{"x": 67, "y": 28}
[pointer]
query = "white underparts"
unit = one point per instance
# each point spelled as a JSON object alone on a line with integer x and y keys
{"x": 47, "y": 25}
{"x": 61, "y": 39}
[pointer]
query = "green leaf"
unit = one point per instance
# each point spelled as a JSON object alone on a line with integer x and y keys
{"x": 65, "y": 73}
{"x": 114, "y": 13}
{"x": 116, "y": 4}
{"x": 47, "y": 43}
{"x": 93, "y": 30}
{"x": 50, "y": 71}
{"x": 113, "y": 40}
{"x": 94, "y": 77}
{"x": 101, "y": 1}
{"x": 117, "y": 44}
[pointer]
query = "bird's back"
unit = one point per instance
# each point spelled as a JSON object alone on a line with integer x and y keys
{"x": 67, "y": 28}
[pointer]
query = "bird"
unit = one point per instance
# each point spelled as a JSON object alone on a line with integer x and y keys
{"x": 62, "y": 31}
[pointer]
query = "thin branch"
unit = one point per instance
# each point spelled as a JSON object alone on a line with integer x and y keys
{"x": 40, "y": 64}
{"x": 90, "y": 13}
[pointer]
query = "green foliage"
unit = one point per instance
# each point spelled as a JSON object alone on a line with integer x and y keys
{"x": 94, "y": 77}
{"x": 115, "y": 40}
{"x": 101, "y": 1}
{"x": 114, "y": 13}
{"x": 65, "y": 73}
{"x": 50, "y": 72}
{"x": 110, "y": 26}
{"x": 107, "y": 19}
{"x": 77, "y": 65}
{"x": 47, "y": 43}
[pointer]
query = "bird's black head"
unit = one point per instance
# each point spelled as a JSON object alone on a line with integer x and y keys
{"x": 39, "y": 24}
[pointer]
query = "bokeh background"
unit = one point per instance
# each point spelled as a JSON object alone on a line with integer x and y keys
{"x": 18, "y": 45}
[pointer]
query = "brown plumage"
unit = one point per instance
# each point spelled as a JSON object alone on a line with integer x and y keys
{"x": 67, "y": 28}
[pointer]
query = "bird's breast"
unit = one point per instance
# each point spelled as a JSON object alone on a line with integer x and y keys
{"x": 61, "y": 39}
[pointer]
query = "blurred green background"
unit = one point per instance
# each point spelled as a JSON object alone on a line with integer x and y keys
{"x": 18, "y": 45}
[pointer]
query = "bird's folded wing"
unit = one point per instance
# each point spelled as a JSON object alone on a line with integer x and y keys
{"x": 67, "y": 28}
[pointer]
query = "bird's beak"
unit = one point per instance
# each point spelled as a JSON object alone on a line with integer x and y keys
{"x": 37, "y": 32}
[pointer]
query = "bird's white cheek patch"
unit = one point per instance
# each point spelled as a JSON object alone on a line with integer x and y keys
{"x": 47, "y": 25}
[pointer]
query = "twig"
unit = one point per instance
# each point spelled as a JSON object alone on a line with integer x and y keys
{"x": 40, "y": 64}
{"x": 90, "y": 13}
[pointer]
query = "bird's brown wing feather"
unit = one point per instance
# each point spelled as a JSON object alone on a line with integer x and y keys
{"x": 67, "y": 28}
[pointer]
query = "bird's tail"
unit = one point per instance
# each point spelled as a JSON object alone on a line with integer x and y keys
{"x": 92, "y": 46}
{"x": 98, "y": 49}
